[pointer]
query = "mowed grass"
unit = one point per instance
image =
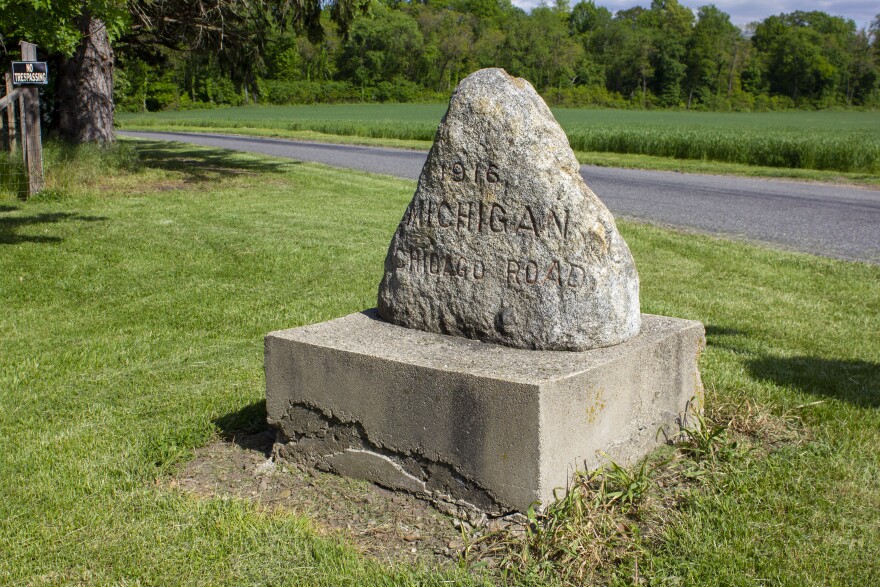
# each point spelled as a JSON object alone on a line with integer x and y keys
{"x": 832, "y": 141}
{"x": 133, "y": 311}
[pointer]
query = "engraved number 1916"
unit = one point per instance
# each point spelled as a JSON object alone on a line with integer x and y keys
{"x": 487, "y": 173}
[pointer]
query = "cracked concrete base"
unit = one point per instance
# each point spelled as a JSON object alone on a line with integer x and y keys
{"x": 483, "y": 427}
{"x": 316, "y": 439}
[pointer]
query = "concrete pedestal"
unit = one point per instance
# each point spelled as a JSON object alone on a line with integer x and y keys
{"x": 457, "y": 419}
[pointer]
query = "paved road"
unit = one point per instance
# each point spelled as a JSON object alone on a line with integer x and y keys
{"x": 827, "y": 220}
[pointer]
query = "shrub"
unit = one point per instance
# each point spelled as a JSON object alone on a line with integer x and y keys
{"x": 306, "y": 92}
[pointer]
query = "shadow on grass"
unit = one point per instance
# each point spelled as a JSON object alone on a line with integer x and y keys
{"x": 724, "y": 337}
{"x": 247, "y": 428}
{"x": 853, "y": 381}
{"x": 200, "y": 164}
{"x": 712, "y": 331}
{"x": 9, "y": 226}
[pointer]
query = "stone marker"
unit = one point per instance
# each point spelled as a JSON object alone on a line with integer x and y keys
{"x": 503, "y": 241}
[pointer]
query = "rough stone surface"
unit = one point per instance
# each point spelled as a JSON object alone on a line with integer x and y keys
{"x": 471, "y": 423}
{"x": 503, "y": 241}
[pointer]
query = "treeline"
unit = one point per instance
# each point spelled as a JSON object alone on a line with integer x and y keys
{"x": 663, "y": 56}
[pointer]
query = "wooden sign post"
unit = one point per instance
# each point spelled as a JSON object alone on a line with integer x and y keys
{"x": 31, "y": 132}
{"x": 10, "y": 116}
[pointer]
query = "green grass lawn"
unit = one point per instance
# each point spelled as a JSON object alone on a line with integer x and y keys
{"x": 843, "y": 142}
{"x": 133, "y": 311}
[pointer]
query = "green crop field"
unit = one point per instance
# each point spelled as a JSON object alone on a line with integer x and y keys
{"x": 836, "y": 141}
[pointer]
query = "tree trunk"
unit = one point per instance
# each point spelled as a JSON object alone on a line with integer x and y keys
{"x": 85, "y": 87}
{"x": 730, "y": 77}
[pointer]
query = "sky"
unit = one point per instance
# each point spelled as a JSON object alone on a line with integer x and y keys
{"x": 743, "y": 12}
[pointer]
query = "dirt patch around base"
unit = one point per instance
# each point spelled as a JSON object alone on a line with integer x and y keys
{"x": 385, "y": 525}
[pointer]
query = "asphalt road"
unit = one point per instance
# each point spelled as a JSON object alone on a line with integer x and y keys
{"x": 824, "y": 219}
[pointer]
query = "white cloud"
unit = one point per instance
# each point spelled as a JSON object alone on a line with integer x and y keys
{"x": 743, "y": 12}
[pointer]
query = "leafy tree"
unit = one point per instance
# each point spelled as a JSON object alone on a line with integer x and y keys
{"x": 488, "y": 12}
{"x": 711, "y": 55}
{"x": 82, "y": 34}
{"x": 669, "y": 25}
{"x": 237, "y": 32}
{"x": 381, "y": 48}
{"x": 80, "y": 31}
{"x": 795, "y": 63}
{"x": 625, "y": 48}
{"x": 174, "y": 52}
{"x": 449, "y": 44}
{"x": 862, "y": 75}
{"x": 539, "y": 48}
{"x": 586, "y": 17}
